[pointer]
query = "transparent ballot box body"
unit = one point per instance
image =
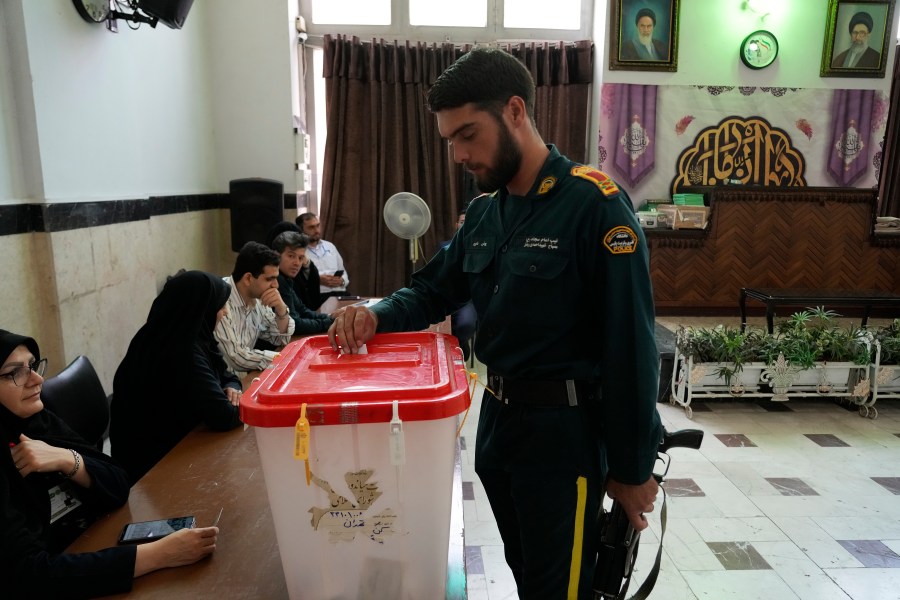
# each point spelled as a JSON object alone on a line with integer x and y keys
{"x": 374, "y": 519}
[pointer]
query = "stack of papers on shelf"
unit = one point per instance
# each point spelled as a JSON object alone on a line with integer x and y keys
{"x": 666, "y": 214}
{"x": 691, "y": 217}
{"x": 887, "y": 225}
{"x": 687, "y": 199}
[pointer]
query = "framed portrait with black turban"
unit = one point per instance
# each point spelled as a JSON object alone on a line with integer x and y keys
{"x": 856, "y": 38}
{"x": 643, "y": 35}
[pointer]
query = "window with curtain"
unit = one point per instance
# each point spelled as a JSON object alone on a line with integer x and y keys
{"x": 382, "y": 140}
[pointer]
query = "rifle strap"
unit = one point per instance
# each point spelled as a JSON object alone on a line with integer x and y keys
{"x": 644, "y": 591}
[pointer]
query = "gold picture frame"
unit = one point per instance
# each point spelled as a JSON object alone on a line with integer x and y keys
{"x": 643, "y": 35}
{"x": 845, "y": 25}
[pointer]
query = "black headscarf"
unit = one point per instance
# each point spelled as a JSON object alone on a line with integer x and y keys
{"x": 31, "y": 565}
{"x": 278, "y": 229}
{"x": 10, "y": 341}
{"x": 184, "y": 314}
{"x": 11, "y": 425}
{"x": 160, "y": 388}
{"x": 41, "y": 425}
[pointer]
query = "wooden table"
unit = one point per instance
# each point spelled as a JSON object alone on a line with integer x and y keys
{"x": 806, "y": 297}
{"x": 206, "y": 472}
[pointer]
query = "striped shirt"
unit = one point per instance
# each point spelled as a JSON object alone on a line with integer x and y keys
{"x": 238, "y": 331}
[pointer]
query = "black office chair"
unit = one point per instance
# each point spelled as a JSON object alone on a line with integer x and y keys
{"x": 76, "y": 396}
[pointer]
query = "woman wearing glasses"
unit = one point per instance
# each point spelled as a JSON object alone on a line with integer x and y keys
{"x": 50, "y": 477}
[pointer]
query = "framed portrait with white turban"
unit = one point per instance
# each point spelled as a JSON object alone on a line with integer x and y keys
{"x": 643, "y": 35}
{"x": 857, "y": 33}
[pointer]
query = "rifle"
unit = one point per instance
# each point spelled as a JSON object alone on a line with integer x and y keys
{"x": 617, "y": 546}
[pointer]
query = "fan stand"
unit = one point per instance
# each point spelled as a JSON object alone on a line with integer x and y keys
{"x": 407, "y": 216}
{"x": 414, "y": 251}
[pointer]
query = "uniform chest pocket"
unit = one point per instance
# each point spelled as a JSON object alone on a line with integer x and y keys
{"x": 537, "y": 264}
{"x": 479, "y": 254}
{"x": 476, "y": 263}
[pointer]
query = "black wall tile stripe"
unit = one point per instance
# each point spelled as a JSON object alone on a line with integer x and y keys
{"x": 65, "y": 216}
{"x": 16, "y": 218}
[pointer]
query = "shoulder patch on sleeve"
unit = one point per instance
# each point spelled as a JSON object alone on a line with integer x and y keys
{"x": 598, "y": 178}
{"x": 620, "y": 240}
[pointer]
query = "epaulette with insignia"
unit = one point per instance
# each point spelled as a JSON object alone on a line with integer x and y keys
{"x": 598, "y": 178}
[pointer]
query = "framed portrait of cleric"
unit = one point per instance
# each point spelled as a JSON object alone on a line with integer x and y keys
{"x": 643, "y": 35}
{"x": 857, "y": 33}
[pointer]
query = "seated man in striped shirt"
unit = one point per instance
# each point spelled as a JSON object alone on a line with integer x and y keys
{"x": 255, "y": 311}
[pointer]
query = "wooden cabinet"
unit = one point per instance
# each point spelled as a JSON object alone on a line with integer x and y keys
{"x": 778, "y": 238}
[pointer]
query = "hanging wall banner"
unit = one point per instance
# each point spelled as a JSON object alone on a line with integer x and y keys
{"x": 851, "y": 136}
{"x": 745, "y": 135}
{"x": 740, "y": 151}
{"x": 636, "y": 131}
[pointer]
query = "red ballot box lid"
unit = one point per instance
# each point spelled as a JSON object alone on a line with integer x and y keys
{"x": 423, "y": 371}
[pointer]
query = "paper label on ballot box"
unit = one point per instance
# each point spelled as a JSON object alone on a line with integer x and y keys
{"x": 344, "y": 520}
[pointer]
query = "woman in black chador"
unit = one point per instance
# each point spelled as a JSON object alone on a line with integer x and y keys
{"x": 52, "y": 484}
{"x": 173, "y": 377}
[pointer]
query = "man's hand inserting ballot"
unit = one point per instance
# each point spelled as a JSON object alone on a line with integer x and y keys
{"x": 353, "y": 326}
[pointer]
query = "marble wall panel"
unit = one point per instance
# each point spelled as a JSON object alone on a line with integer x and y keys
{"x": 28, "y": 301}
{"x": 194, "y": 241}
{"x": 106, "y": 277}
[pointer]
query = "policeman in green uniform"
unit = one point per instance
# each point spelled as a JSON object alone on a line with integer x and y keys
{"x": 556, "y": 266}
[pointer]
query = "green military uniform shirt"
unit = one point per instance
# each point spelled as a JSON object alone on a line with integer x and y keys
{"x": 560, "y": 281}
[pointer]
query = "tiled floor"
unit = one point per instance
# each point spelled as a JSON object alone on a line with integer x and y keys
{"x": 802, "y": 503}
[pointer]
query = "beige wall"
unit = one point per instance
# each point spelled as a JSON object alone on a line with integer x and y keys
{"x": 28, "y": 302}
{"x": 87, "y": 291}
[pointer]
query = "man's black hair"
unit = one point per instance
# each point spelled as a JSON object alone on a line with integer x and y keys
{"x": 487, "y": 77}
{"x": 254, "y": 258}
{"x": 289, "y": 239}
{"x": 303, "y": 218}
{"x": 280, "y": 228}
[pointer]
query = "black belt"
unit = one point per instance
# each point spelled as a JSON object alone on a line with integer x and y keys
{"x": 539, "y": 392}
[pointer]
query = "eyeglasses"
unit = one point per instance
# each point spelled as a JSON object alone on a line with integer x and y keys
{"x": 20, "y": 375}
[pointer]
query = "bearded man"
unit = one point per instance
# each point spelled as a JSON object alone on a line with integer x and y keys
{"x": 645, "y": 46}
{"x": 557, "y": 268}
{"x": 859, "y": 55}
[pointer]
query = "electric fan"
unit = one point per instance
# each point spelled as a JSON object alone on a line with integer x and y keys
{"x": 408, "y": 217}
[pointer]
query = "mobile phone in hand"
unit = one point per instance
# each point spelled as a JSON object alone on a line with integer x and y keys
{"x": 148, "y": 531}
{"x": 339, "y": 273}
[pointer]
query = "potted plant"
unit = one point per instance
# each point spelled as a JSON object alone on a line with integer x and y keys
{"x": 818, "y": 354}
{"x": 722, "y": 358}
{"x": 886, "y": 367}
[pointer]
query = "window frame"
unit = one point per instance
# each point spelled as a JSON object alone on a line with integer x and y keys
{"x": 494, "y": 31}
{"x": 401, "y": 30}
